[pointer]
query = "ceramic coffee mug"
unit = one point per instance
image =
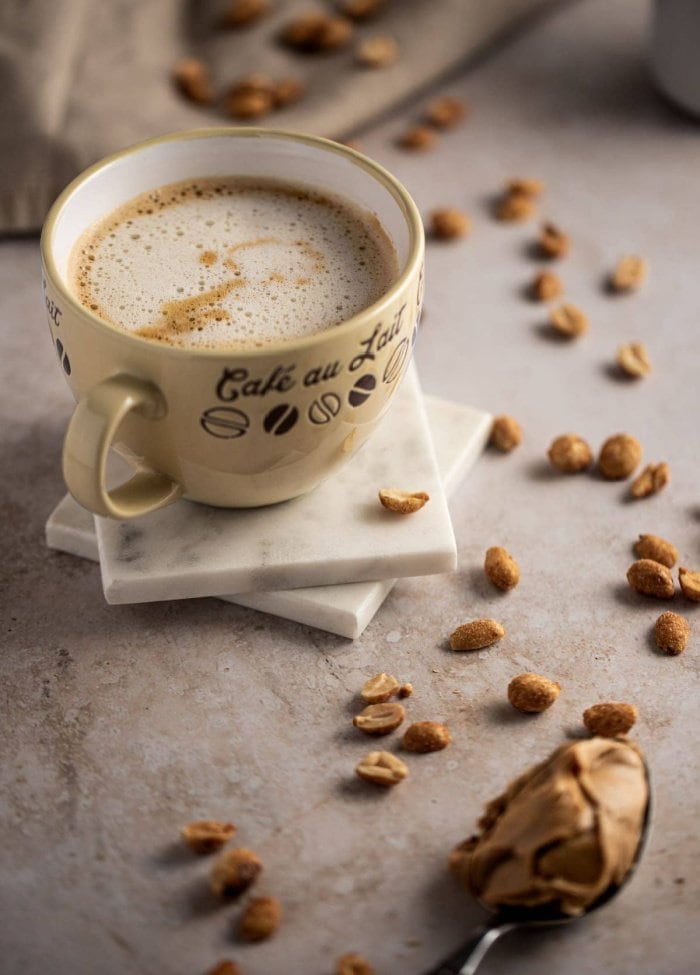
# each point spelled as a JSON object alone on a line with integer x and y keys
{"x": 226, "y": 427}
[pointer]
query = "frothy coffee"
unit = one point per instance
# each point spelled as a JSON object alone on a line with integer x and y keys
{"x": 232, "y": 262}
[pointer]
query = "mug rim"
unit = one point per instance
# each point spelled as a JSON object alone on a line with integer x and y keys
{"x": 382, "y": 175}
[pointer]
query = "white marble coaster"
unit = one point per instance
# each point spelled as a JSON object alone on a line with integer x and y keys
{"x": 338, "y": 533}
{"x": 459, "y": 434}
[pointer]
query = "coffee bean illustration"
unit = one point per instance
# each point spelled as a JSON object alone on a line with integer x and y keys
{"x": 281, "y": 419}
{"x": 396, "y": 361}
{"x": 63, "y": 357}
{"x": 362, "y": 389}
{"x": 225, "y": 422}
{"x": 323, "y": 409}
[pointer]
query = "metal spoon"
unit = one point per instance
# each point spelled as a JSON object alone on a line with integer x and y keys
{"x": 466, "y": 960}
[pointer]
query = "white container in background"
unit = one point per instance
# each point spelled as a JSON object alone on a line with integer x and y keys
{"x": 675, "y": 51}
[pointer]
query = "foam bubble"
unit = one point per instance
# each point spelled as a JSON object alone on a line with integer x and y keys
{"x": 226, "y": 262}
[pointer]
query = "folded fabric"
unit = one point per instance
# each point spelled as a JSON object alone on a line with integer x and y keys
{"x": 82, "y": 78}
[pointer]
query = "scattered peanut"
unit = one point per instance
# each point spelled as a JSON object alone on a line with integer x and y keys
{"x": 445, "y": 112}
{"x": 317, "y": 32}
{"x": 234, "y": 871}
{"x": 361, "y": 9}
{"x": 513, "y": 207}
{"x": 656, "y": 548}
{"x": 418, "y": 137}
{"x": 241, "y": 13}
{"x": 382, "y": 768}
{"x": 651, "y": 579}
{"x": 568, "y": 320}
{"x": 690, "y": 584}
{"x": 377, "y": 52}
{"x": 193, "y": 78}
{"x": 380, "y": 719}
{"x": 672, "y": 633}
{"x": 476, "y": 635}
{"x": 570, "y": 454}
{"x": 260, "y": 919}
{"x": 506, "y": 433}
{"x": 426, "y": 736}
{"x": 546, "y": 286}
{"x": 405, "y": 690}
{"x": 552, "y": 241}
{"x": 403, "y": 502}
{"x": 207, "y": 835}
{"x": 353, "y": 964}
{"x": 653, "y": 479}
{"x": 526, "y": 187}
{"x": 501, "y": 568}
{"x": 633, "y": 360}
{"x": 629, "y": 274}
{"x": 379, "y": 688}
{"x": 286, "y": 92}
{"x": 532, "y": 693}
{"x": 449, "y": 223}
{"x": 619, "y": 456}
{"x": 610, "y": 719}
{"x": 248, "y": 103}
{"x": 225, "y": 967}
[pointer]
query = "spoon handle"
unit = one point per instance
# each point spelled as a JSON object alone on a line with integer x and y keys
{"x": 468, "y": 957}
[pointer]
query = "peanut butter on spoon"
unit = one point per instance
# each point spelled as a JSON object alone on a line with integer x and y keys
{"x": 564, "y": 831}
{"x": 561, "y": 841}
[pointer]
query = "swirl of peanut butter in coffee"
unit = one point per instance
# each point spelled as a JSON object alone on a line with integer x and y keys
{"x": 563, "y": 832}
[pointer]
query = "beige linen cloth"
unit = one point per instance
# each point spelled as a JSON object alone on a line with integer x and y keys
{"x": 82, "y": 78}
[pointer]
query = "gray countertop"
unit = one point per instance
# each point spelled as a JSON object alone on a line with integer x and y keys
{"x": 122, "y": 723}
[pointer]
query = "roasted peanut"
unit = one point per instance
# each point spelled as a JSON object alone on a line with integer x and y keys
{"x": 610, "y": 719}
{"x": 382, "y": 768}
{"x": 501, "y": 568}
{"x": 234, "y": 871}
{"x": 260, "y": 919}
{"x": 532, "y": 693}
{"x": 445, "y": 112}
{"x": 569, "y": 321}
{"x": 656, "y": 548}
{"x": 380, "y": 719}
{"x": 672, "y": 633}
{"x": 207, "y": 835}
{"x": 379, "y": 688}
{"x": 546, "y": 285}
{"x": 633, "y": 360}
{"x": 570, "y": 454}
{"x": 506, "y": 433}
{"x": 476, "y": 635}
{"x": 690, "y": 584}
{"x": 619, "y": 456}
{"x": 426, "y": 736}
{"x": 653, "y": 479}
{"x": 403, "y": 502}
{"x": 651, "y": 579}
{"x": 449, "y": 223}
{"x": 552, "y": 241}
{"x": 629, "y": 274}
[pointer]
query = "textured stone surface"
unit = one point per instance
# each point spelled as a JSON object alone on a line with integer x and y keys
{"x": 121, "y": 723}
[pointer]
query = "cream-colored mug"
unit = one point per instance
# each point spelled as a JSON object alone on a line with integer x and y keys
{"x": 226, "y": 427}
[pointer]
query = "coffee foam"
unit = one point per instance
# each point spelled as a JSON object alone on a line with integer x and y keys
{"x": 232, "y": 262}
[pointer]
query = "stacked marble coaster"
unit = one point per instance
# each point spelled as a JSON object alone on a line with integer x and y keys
{"x": 327, "y": 559}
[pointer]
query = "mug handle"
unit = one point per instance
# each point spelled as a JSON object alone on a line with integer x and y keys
{"x": 88, "y": 439}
